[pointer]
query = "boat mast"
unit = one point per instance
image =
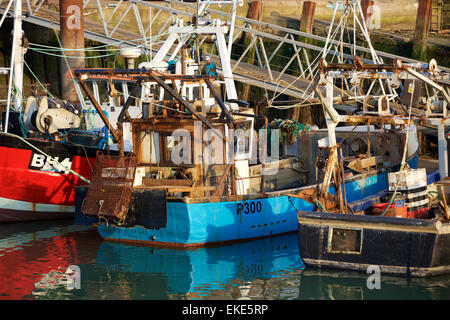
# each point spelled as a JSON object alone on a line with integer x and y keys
{"x": 16, "y": 66}
{"x": 352, "y": 21}
{"x": 351, "y": 72}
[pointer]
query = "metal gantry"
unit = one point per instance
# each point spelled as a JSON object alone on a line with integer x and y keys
{"x": 388, "y": 76}
{"x": 285, "y": 59}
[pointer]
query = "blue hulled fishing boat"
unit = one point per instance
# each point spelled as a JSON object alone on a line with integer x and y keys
{"x": 206, "y": 171}
{"x": 180, "y": 187}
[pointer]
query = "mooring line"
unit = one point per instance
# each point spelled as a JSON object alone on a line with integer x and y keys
{"x": 53, "y": 159}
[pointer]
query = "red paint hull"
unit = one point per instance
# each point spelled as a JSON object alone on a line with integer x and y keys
{"x": 32, "y": 187}
{"x": 20, "y": 183}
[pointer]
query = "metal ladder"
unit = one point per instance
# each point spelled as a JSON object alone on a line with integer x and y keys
{"x": 436, "y": 15}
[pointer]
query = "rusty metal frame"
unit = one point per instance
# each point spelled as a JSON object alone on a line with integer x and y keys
{"x": 140, "y": 76}
{"x": 109, "y": 193}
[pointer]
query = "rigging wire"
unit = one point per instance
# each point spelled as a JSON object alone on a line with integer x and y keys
{"x": 302, "y": 75}
{"x": 404, "y": 162}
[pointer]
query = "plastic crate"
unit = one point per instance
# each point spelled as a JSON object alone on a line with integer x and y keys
{"x": 408, "y": 179}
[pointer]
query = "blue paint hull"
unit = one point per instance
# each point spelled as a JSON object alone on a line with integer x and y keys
{"x": 198, "y": 224}
{"x": 203, "y": 270}
{"x": 203, "y": 223}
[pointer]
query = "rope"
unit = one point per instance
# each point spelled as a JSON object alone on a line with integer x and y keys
{"x": 62, "y": 50}
{"x": 74, "y": 57}
{"x": 292, "y": 204}
{"x": 87, "y": 158}
{"x": 403, "y": 163}
{"x": 40, "y": 83}
{"x": 23, "y": 128}
{"x": 321, "y": 206}
{"x": 99, "y": 47}
{"x": 53, "y": 159}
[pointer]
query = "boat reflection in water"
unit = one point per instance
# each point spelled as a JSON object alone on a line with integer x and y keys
{"x": 35, "y": 255}
{"x": 246, "y": 270}
{"x": 316, "y": 284}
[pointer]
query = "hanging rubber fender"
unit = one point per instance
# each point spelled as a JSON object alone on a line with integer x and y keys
{"x": 112, "y": 91}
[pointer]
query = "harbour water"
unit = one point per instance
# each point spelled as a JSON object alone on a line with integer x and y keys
{"x": 34, "y": 258}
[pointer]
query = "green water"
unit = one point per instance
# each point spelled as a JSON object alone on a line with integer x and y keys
{"x": 34, "y": 257}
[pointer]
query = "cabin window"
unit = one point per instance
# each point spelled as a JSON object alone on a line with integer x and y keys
{"x": 195, "y": 93}
{"x": 136, "y": 98}
{"x": 169, "y": 144}
{"x": 167, "y": 95}
{"x": 155, "y": 92}
{"x": 103, "y": 91}
{"x": 345, "y": 241}
{"x": 149, "y": 149}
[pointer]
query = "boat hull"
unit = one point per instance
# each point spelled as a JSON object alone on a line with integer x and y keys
{"x": 200, "y": 224}
{"x": 399, "y": 246}
{"x": 34, "y": 188}
{"x": 208, "y": 223}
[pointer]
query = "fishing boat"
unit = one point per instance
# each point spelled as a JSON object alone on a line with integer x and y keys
{"x": 396, "y": 230}
{"x": 40, "y": 166}
{"x": 34, "y": 186}
{"x": 399, "y": 246}
{"x": 49, "y": 145}
{"x": 154, "y": 198}
{"x": 49, "y": 149}
{"x": 170, "y": 193}
{"x": 408, "y": 237}
{"x": 160, "y": 214}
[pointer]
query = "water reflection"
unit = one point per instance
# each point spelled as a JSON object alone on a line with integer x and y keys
{"x": 236, "y": 271}
{"x": 14, "y": 235}
{"x": 318, "y": 284}
{"x": 34, "y": 258}
{"x": 32, "y": 250}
